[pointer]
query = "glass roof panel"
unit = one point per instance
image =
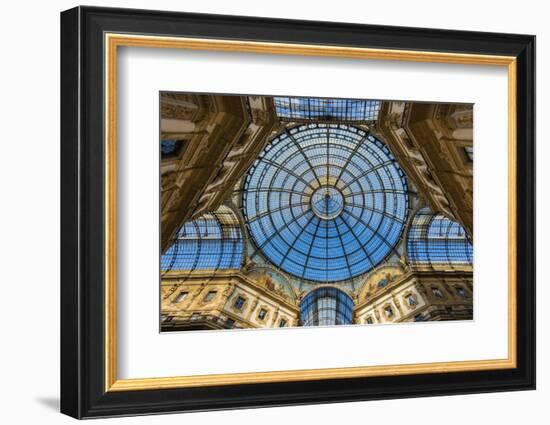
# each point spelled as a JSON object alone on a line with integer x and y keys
{"x": 212, "y": 241}
{"x": 435, "y": 239}
{"x": 323, "y": 109}
{"x": 325, "y": 202}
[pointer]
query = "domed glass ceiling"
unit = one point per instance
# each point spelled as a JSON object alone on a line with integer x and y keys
{"x": 325, "y": 202}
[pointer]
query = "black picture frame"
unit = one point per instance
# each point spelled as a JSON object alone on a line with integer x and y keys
{"x": 83, "y": 392}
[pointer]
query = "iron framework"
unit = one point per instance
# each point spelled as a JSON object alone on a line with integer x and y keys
{"x": 435, "y": 240}
{"x": 324, "y": 109}
{"x": 211, "y": 242}
{"x": 326, "y": 306}
{"x": 325, "y": 202}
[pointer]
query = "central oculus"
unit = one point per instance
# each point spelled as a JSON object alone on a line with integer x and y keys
{"x": 327, "y": 202}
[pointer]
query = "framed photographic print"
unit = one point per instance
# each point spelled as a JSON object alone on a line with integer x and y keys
{"x": 261, "y": 212}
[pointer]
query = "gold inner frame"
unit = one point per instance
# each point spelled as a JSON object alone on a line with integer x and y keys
{"x": 113, "y": 41}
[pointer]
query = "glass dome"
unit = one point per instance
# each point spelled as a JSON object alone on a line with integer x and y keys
{"x": 325, "y": 202}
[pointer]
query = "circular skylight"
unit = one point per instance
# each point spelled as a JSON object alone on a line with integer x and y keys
{"x": 325, "y": 202}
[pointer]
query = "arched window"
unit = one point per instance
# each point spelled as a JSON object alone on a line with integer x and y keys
{"x": 436, "y": 240}
{"x": 382, "y": 283}
{"x": 210, "y": 242}
{"x": 326, "y": 306}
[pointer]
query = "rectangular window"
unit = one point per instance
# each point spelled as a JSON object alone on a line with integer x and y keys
{"x": 171, "y": 148}
{"x": 282, "y": 323}
{"x": 369, "y": 320}
{"x": 229, "y": 322}
{"x": 460, "y": 291}
{"x": 210, "y": 296}
{"x": 469, "y": 153}
{"x": 389, "y": 311}
{"x": 181, "y": 296}
{"x": 239, "y": 303}
{"x": 437, "y": 292}
{"x": 262, "y": 314}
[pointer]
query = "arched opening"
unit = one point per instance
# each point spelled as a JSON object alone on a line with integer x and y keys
{"x": 211, "y": 242}
{"x": 436, "y": 241}
{"x": 326, "y": 306}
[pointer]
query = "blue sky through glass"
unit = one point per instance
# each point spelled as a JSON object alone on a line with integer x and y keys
{"x": 212, "y": 241}
{"x": 435, "y": 239}
{"x": 325, "y": 109}
{"x": 326, "y": 306}
{"x": 325, "y": 202}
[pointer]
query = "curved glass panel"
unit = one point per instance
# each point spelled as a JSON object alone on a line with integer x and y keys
{"x": 212, "y": 241}
{"x": 326, "y": 306}
{"x": 325, "y": 202}
{"x": 434, "y": 239}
